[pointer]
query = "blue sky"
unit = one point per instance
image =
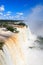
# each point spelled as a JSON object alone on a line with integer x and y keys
{"x": 29, "y": 10}
{"x": 17, "y": 9}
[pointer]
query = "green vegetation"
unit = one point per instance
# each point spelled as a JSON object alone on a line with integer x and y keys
{"x": 5, "y": 24}
{"x": 10, "y": 28}
{"x": 22, "y": 24}
{"x": 11, "y": 21}
{"x": 1, "y": 44}
{"x": 10, "y": 24}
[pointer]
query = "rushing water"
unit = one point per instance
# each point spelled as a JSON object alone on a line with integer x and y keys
{"x": 23, "y": 48}
{"x": 35, "y": 56}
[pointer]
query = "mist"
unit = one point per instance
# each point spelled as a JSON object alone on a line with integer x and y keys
{"x": 35, "y": 20}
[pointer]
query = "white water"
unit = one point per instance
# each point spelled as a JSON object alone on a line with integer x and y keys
{"x": 16, "y": 49}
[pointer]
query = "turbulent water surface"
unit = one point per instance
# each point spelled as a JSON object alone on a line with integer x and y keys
{"x": 21, "y": 48}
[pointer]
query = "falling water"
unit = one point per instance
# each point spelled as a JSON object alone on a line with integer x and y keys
{"x": 21, "y": 48}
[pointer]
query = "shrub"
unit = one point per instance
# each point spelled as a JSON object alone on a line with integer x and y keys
{"x": 5, "y": 24}
{"x": 22, "y": 24}
{"x": 1, "y": 44}
{"x": 10, "y": 28}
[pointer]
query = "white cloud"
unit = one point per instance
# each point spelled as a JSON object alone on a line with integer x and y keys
{"x": 1, "y": 13}
{"x": 11, "y": 17}
{"x": 2, "y": 8}
{"x": 17, "y": 16}
{"x": 8, "y": 13}
{"x": 4, "y": 15}
{"x": 19, "y": 13}
{"x": 35, "y": 20}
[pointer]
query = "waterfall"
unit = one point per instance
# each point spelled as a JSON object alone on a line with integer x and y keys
{"x": 15, "y": 47}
